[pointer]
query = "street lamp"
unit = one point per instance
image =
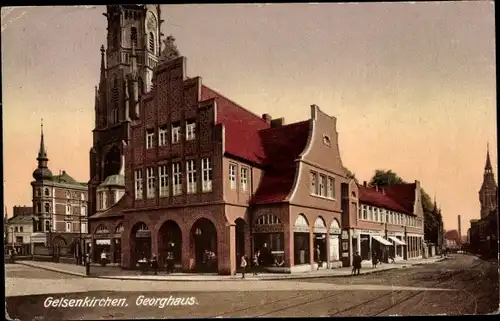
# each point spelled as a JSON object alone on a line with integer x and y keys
{"x": 13, "y": 238}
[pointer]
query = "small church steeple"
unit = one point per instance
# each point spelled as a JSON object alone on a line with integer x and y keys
{"x": 42, "y": 172}
{"x": 487, "y": 168}
{"x": 489, "y": 189}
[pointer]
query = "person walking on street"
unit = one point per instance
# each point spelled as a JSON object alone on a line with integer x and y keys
{"x": 256, "y": 262}
{"x": 154, "y": 265}
{"x": 243, "y": 266}
{"x": 356, "y": 264}
{"x": 318, "y": 256}
{"x": 374, "y": 260}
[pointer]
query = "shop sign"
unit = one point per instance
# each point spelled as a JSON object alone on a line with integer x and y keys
{"x": 143, "y": 233}
{"x": 345, "y": 235}
{"x": 268, "y": 229}
{"x": 345, "y": 254}
{"x": 334, "y": 230}
{"x": 103, "y": 242}
{"x": 301, "y": 229}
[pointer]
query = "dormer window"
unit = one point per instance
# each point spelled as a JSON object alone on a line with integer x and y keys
{"x": 176, "y": 133}
{"x": 150, "y": 136}
{"x": 190, "y": 130}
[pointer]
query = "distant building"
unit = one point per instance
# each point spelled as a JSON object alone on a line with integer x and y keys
{"x": 20, "y": 229}
{"x": 22, "y": 210}
{"x": 389, "y": 218}
{"x": 452, "y": 239}
{"x": 59, "y": 205}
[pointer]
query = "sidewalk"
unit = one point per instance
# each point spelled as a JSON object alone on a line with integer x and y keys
{"x": 117, "y": 273}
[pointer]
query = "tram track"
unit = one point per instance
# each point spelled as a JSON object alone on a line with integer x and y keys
{"x": 405, "y": 298}
{"x": 443, "y": 278}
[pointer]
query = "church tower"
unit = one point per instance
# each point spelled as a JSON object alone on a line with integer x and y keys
{"x": 127, "y": 63}
{"x": 488, "y": 191}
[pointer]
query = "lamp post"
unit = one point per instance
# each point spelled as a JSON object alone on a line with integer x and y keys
{"x": 13, "y": 239}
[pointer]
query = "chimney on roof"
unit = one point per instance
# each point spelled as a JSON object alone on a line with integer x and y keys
{"x": 267, "y": 118}
{"x": 278, "y": 122}
{"x": 364, "y": 183}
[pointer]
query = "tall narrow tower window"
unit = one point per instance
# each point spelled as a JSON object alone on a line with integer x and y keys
{"x": 151, "y": 42}
{"x": 133, "y": 35}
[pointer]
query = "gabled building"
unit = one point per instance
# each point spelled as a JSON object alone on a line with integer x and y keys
{"x": 59, "y": 205}
{"x": 203, "y": 176}
{"x": 389, "y": 222}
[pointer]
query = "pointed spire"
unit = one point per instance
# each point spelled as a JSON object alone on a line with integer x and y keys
{"x": 488, "y": 167}
{"x": 103, "y": 66}
{"x": 42, "y": 153}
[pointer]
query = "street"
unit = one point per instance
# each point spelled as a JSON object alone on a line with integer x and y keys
{"x": 460, "y": 285}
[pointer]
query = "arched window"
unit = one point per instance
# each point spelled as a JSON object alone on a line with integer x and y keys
{"x": 47, "y": 192}
{"x": 133, "y": 35}
{"x": 38, "y": 192}
{"x": 47, "y": 207}
{"x": 101, "y": 229}
{"x": 39, "y": 207}
{"x": 68, "y": 195}
{"x": 151, "y": 42}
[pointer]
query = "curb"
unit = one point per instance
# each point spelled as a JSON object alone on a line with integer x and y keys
{"x": 233, "y": 278}
{"x": 47, "y": 268}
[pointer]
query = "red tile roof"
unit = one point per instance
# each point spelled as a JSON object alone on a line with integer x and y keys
{"x": 241, "y": 128}
{"x": 282, "y": 146}
{"x": 371, "y": 196}
{"x": 250, "y": 138}
{"x": 403, "y": 194}
{"x": 399, "y": 198}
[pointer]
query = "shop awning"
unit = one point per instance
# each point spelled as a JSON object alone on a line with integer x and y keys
{"x": 397, "y": 241}
{"x": 381, "y": 240}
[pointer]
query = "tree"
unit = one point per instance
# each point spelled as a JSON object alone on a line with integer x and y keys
{"x": 350, "y": 174}
{"x": 383, "y": 178}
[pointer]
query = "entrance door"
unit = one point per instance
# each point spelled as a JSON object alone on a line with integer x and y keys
{"x": 240, "y": 242}
{"x": 334, "y": 248}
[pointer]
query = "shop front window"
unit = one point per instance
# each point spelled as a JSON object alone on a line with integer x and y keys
{"x": 271, "y": 247}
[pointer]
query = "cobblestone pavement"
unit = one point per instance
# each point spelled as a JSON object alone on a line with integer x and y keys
{"x": 460, "y": 285}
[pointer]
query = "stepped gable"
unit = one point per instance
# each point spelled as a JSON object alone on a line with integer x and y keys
{"x": 282, "y": 147}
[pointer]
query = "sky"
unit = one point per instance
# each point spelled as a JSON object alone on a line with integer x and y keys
{"x": 412, "y": 85}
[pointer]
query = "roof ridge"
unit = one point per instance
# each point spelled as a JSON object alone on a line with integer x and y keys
{"x": 234, "y": 103}
{"x": 285, "y": 126}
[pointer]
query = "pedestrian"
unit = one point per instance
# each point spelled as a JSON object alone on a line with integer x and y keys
{"x": 256, "y": 262}
{"x": 356, "y": 264}
{"x": 154, "y": 265}
{"x": 318, "y": 256}
{"x": 374, "y": 260}
{"x": 243, "y": 266}
{"x": 87, "y": 264}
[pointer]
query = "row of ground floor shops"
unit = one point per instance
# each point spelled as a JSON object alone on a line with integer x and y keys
{"x": 207, "y": 247}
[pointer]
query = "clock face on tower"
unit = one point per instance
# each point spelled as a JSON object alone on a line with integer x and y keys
{"x": 151, "y": 21}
